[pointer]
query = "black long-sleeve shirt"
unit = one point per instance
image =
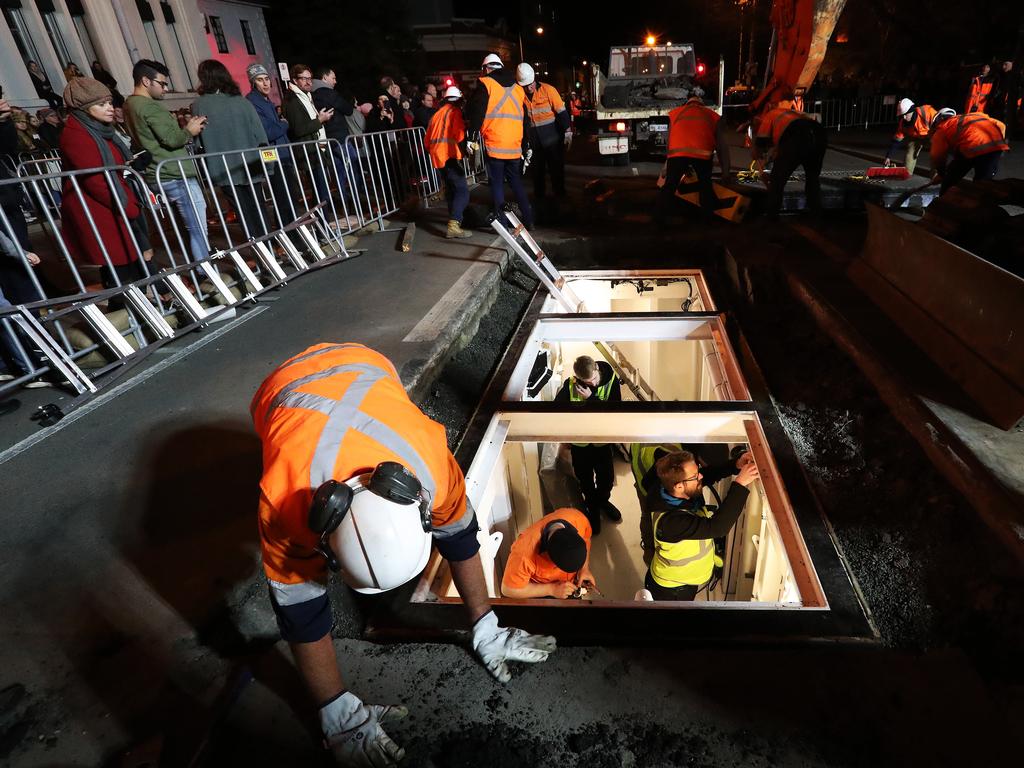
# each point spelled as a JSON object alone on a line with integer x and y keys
{"x": 680, "y": 523}
{"x": 614, "y": 395}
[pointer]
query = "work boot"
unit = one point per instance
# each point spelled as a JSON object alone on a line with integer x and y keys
{"x": 612, "y": 512}
{"x": 455, "y": 230}
{"x": 594, "y": 518}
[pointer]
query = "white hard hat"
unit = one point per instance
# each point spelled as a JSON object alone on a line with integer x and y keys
{"x": 904, "y": 107}
{"x": 524, "y": 74}
{"x": 452, "y": 92}
{"x": 380, "y": 544}
{"x": 491, "y": 60}
{"x": 943, "y": 114}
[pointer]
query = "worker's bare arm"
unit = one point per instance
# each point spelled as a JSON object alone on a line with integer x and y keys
{"x": 318, "y": 667}
{"x": 468, "y": 576}
{"x": 560, "y": 590}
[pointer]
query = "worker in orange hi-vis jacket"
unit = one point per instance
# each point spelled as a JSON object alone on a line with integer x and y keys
{"x": 551, "y": 558}
{"x": 913, "y": 127}
{"x": 791, "y": 139}
{"x": 978, "y": 91}
{"x": 968, "y": 142}
{"x": 357, "y": 479}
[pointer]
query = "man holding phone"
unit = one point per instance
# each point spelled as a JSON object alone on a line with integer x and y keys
{"x": 155, "y": 129}
{"x": 306, "y": 123}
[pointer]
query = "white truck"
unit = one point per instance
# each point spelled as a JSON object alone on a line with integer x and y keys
{"x": 644, "y": 84}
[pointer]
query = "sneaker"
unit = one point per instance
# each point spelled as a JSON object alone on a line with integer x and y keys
{"x": 612, "y": 512}
{"x": 39, "y": 384}
{"x": 643, "y": 596}
{"x": 455, "y": 231}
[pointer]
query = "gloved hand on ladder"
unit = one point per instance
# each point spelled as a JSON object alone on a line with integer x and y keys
{"x": 496, "y": 646}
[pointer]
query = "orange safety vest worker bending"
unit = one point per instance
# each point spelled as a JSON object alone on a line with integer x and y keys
{"x": 330, "y": 420}
{"x": 693, "y": 137}
{"x": 913, "y": 126}
{"x": 974, "y": 141}
{"x": 445, "y": 138}
{"x": 550, "y": 558}
{"x": 496, "y": 112}
{"x": 794, "y": 139}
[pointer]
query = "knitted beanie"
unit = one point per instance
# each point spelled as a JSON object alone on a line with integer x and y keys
{"x": 84, "y": 92}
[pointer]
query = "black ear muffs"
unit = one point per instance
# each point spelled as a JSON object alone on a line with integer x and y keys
{"x": 331, "y": 503}
{"x": 392, "y": 481}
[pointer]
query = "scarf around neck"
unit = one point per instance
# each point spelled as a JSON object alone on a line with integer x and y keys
{"x": 307, "y": 101}
{"x": 104, "y": 135}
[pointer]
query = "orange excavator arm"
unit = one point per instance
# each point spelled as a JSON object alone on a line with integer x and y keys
{"x": 800, "y": 33}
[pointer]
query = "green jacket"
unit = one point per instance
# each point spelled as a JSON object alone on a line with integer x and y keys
{"x": 154, "y": 128}
{"x": 233, "y": 125}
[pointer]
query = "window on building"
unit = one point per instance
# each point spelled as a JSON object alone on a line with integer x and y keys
{"x": 250, "y": 46}
{"x": 218, "y": 34}
{"x": 49, "y": 15}
{"x": 20, "y": 32}
{"x": 177, "y": 50}
{"x": 149, "y": 24}
{"x": 82, "y": 29}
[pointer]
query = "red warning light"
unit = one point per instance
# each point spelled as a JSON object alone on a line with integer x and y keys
{"x": 448, "y": 82}
{"x": 700, "y": 67}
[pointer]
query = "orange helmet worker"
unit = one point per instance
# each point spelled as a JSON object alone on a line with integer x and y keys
{"x": 975, "y": 142}
{"x": 551, "y": 558}
{"x": 358, "y": 479}
{"x": 496, "y": 112}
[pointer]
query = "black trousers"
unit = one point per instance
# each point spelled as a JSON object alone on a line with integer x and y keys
{"x": 675, "y": 169}
{"x": 658, "y": 592}
{"x": 549, "y": 161}
{"x": 803, "y": 143}
{"x": 595, "y": 472}
{"x": 984, "y": 166}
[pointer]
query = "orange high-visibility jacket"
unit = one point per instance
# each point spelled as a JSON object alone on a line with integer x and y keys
{"x": 775, "y": 121}
{"x": 527, "y": 564}
{"x": 969, "y": 135}
{"x": 541, "y": 110}
{"x": 977, "y": 95}
{"x": 502, "y": 129}
{"x": 691, "y": 131}
{"x": 798, "y": 103}
{"x": 333, "y": 412}
{"x": 920, "y": 128}
{"x": 444, "y": 133}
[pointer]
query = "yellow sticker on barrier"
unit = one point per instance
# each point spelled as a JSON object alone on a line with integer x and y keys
{"x": 269, "y": 155}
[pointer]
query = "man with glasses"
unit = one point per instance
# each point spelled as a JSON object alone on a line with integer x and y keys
{"x": 306, "y": 123}
{"x": 684, "y": 529}
{"x": 155, "y": 129}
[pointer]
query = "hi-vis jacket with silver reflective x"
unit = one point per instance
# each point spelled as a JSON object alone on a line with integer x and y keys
{"x": 681, "y": 563}
{"x": 502, "y": 129}
{"x": 546, "y": 110}
{"x": 446, "y": 130}
{"x": 333, "y": 412}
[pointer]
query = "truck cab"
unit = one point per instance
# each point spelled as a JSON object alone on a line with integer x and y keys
{"x": 644, "y": 83}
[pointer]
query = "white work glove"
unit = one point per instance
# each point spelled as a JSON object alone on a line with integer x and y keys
{"x": 352, "y": 732}
{"x": 472, "y": 147}
{"x": 568, "y": 138}
{"x": 496, "y": 646}
{"x": 529, "y": 155}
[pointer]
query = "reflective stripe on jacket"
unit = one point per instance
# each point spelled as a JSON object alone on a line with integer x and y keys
{"x": 692, "y": 131}
{"x": 977, "y": 96}
{"x": 333, "y": 412}
{"x": 919, "y": 128}
{"x": 502, "y": 129}
{"x": 444, "y": 133}
{"x": 775, "y": 121}
{"x": 681, "y": 563}
{"x": 970, "y": 135}
{"x": 542, "y": 109}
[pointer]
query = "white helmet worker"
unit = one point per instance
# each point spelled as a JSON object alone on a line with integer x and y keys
{"x": 452, "y": 93}
{"x": 376, "y": 532}
{"x": 524, "y": 74}
{"x": 492, "y": 61}
{"x": 904, "y": 109}
{"x": 943, "y": 114}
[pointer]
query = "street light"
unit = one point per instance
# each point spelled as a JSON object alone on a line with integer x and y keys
{"x": 651, "y": 40}
{"x": 540, "y": 30}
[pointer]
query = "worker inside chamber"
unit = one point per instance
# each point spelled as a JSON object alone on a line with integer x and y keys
{"x": 534, "y": 487}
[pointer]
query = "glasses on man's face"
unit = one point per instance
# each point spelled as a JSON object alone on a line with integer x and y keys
{"x": 304, "y": 77}
{"x": 164, "y": 84}
{"x": 690, "y": 479}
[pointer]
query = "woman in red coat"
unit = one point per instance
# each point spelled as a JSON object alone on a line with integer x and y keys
{"x": 90, "y": 141}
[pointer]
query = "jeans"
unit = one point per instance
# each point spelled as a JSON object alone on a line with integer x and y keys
{"x": 187, "y": 196}
{"x": 500, "y": 171}
{"x": 455, "y": 190}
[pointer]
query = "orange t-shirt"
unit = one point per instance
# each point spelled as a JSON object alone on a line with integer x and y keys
{"x": 526, "y": 564}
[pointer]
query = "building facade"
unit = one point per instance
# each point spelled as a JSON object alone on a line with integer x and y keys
{"x": 117, "y": 33}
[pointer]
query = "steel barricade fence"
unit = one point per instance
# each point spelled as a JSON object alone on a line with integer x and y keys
{"x": 861, "y": 112}
{"x": 394, "y": 167}
{"x": 57, "y": 320}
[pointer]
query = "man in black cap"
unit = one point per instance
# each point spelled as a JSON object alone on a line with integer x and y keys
{"x": 550, "y": 558}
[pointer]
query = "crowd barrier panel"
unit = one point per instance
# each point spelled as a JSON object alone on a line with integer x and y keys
{"x": 861, "y": 112}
